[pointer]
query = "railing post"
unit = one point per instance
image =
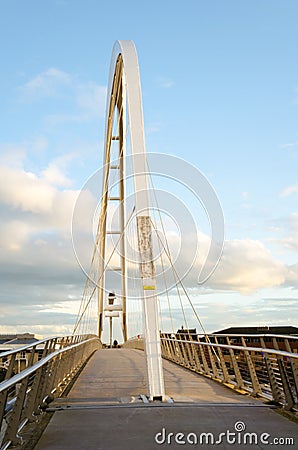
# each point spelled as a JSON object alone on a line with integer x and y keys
{"x": 252, "y": 372}
{"x": 204, "y": 360}
{"x": 226, "y": 376}
{"x": 275, "y": 389}
{"x": 196, "y": 357}
{"x": 238, "y": 376}
{"x": 31, "y": 402}
{"x": 15, "y": 417}
{"x": 290, "y": 402}
{"x": 189, "y": 352}
{"x": 213, "y": 362}
{"x": 183, "y": 349}
{"x": 4, "y": 394}
{"x": 173, "y": 347}
{"x": 178, "y": 351}
{"x": 167, "y": 348}
{"x": 62, "y": 342}
{"x": 294, "y": 367}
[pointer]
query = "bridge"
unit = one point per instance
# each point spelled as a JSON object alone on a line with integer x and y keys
{"x": 162, "y": 385}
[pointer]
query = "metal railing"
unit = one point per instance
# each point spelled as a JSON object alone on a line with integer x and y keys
{"x": 135, "y": 342}
{"x": 50, "y": 368}
{"x": 262, "y": 365}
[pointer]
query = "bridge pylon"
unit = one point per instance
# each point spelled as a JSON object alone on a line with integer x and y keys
{"x": 124, "y": 100}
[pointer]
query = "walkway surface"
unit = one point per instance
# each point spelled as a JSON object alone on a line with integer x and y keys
{"x": 104, "y": 411}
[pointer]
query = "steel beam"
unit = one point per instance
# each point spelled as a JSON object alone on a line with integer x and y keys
{"x": 124, "y": 89}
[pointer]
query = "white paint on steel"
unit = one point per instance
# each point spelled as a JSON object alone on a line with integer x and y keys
{"x": 124, "y": 74}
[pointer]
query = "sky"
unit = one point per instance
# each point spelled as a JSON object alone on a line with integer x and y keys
{"x": 220, "y": 90}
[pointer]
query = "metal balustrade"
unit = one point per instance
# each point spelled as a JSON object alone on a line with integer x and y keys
{"x": 136, "y": 342}
{"x": 268, "y": 368}
{"x": 51, "y": 366}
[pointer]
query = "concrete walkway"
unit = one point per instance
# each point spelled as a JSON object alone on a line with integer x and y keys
{"x": 104, "y": 411}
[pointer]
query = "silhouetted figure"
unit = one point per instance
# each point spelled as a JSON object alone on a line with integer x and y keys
{"x": 111, "y": 298}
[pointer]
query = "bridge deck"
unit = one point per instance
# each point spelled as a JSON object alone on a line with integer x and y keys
{"x": 104, "y": 411}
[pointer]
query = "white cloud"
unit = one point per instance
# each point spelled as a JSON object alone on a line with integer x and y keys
{"x": 54, "y": 172}
{"x": 40, "y": 330}
{"x": 12, "y": 155}
{"x": 290, "y": 145}
{"x": 45, "y": 84}
{"x": 247, "y": 266}
{"x": 291, "y": 240}
{"x": 55, "y": 176}
{"x": 289, "y": 190}
{"x": 13, "y": 235}
{"x": 36, "y": 213}
{"x": 166, "y": 83}
{"x": 32, "y": 206}
{"x": 75, "y": 100}
{"x": 25, "y": 190}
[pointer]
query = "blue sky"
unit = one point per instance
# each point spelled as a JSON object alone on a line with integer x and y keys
{"x": 220, "y": 89}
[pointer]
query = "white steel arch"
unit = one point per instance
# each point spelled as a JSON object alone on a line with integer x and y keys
{"x": 124, "y": 91}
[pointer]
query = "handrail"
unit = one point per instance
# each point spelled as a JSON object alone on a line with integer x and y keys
{"x": 36, "y": 344}
{"x": 6, "y": 384}
{"x": 237, "y": 347}
{"x": 271, "y": 373}
{"x": 24, "y": 396}
{"x": 25, "y": 347}
{"x": 283, "y": 336}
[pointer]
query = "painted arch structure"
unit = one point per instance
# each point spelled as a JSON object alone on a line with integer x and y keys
{"x": 124, "y": 104}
